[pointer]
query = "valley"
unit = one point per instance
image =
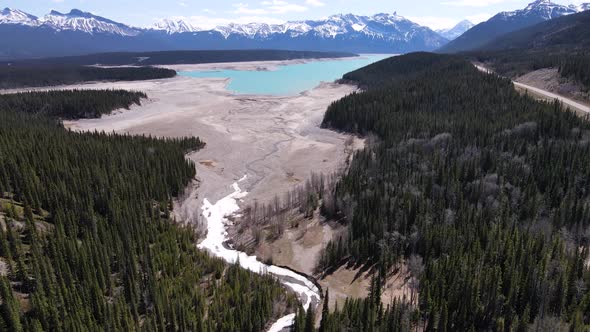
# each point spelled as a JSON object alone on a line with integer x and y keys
{"x": 263, "y": 145}
{"x": 284, "y": 166}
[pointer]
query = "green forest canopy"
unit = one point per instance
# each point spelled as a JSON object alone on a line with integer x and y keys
{"x": 487, "y": 187}
{"x": 71, "y": 104}
{"x": 87, "y": 242}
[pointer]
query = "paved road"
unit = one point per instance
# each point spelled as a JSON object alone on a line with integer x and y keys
{"x": 546, "y": 94}
{"x": 566, "y": 101}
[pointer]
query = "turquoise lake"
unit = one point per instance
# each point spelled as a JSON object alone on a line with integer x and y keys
{"x": 289, "y": 79}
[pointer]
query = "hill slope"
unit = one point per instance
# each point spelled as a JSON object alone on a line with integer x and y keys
{"x": 86, "y": 238}
{"x": 562, "y": 44}
{"x": 473, "y": 186}
{"x": 506, "y": 22}
{"x": 569, "y": 32}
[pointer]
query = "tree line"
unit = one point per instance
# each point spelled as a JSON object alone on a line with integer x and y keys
{"x": 20, "y": 76}
{"x": 87, "y": 242}
{"x": 489, "y": 188}
{"x": 71, "y": 104}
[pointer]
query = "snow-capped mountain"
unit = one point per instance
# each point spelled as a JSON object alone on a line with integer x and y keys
{"x": 75, "y": 20}
{"x": 79, "y": 32}
{"x": 456, "y": 31}
{"x": 344, "y": 32}
{"x": 505, "y": 22}
{"x": 174, "y": 26}
{"x": 390, "y": 27}
{"x": 540, "y": 9}
{"x": 15, "y": 16}
{"x": 78, "y": 20}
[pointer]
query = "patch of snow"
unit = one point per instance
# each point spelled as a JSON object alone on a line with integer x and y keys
{"x": 283, "y": 323}
{"x": 174, "y": 26}
{"x": 216, "y": 216}
{"x": 358, "y": 27}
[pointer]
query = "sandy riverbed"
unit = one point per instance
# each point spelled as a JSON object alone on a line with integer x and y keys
{"x": 272, "y": 140}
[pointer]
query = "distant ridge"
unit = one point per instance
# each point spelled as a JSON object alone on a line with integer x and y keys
{"x": 79, "y": 32}
{"x": 566, "y": 33}
{"x": 505, "y": 22}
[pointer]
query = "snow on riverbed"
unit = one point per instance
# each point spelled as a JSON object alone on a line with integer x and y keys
{"x": 216, "y": 216}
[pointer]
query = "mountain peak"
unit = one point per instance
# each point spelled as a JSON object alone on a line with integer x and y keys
{"x": 540, "y": 10}
{"x": 77, "y": 20}
{"x": 78, "y": 12}
{"x": 456, "y": 31}
{"x": 540, "y": 3}
{"x": 509, "y": 21}
{"x": 15, "y": 16}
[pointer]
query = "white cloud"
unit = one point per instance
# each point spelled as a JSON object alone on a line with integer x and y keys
{"x": 282, "y": 7}
{"x": 478, "y": 18}
{"x": 242, "y": 8}
{"x": 434, "y": 22}
{"x": 314, "y": 3}
{"x": 269, "y": 7}
{"x": 474, "y": 3}
{"x": 438, "y": 22}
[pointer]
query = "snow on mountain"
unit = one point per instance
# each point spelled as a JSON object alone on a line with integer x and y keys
{"x": 542, "y": 9}
{"x": 456, "y": 31}
{"x": 381, "y": 26}
{"x": 506, "y": 22}
{"x": 15, "y": 16}
{"x": 174, "y": 26}
{"x": 390, "y": 27}
{"x": 78, "y": 20}
{"x": 52, "y": 34}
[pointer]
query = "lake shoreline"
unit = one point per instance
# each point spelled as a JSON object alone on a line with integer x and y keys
{"x": 277, "y": 78}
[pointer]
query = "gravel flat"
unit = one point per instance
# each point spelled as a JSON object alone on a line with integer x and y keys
{"x": 275, "y": 141}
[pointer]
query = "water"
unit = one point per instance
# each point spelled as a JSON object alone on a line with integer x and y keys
{"x": 289, "y": 79}
{"x": 216, "y": 216}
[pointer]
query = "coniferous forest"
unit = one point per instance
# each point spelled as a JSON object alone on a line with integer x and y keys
{"x": 87, "y": 242}
{"x": 71, "y": 104}
{"x": 18, "y": 76}
{"x": 483, "y": 192}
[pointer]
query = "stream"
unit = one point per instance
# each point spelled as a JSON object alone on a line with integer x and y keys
{"x": 216, "y": 216}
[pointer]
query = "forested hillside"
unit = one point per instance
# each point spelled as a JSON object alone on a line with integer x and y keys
{"x": 87, "y": 244}
{"x": 19, "y": 76}
{"x": 562, "y": 43}
{"x": 71, "y": 104}
{"x": 482, "y": 192}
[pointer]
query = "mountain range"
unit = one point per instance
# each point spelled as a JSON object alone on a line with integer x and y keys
{"x": 506, "y": 22}
{"x": 78, "y": 32}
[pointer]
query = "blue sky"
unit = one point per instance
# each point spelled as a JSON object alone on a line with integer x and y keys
{"x": 208, "y": 13}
